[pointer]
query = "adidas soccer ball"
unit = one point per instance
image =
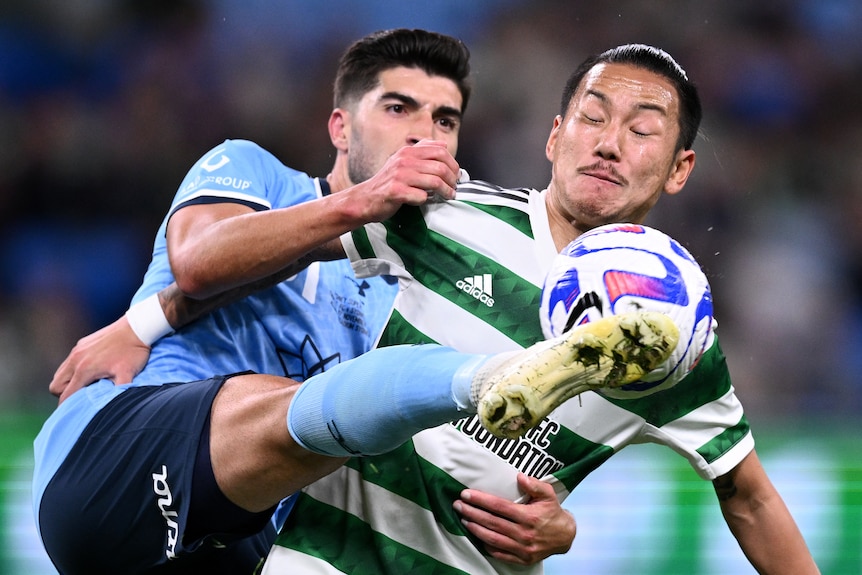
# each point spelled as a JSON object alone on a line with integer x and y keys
{"x": 619, "y": 268}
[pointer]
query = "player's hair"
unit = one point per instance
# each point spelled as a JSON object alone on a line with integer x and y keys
{"x": 654, "y": 60}
{"x": 436, "y": 54}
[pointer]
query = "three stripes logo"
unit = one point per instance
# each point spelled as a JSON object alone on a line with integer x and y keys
{"x": 478, "y": 286}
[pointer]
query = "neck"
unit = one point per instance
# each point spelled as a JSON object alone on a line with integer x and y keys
{"x": 563, "y": 231}
{"x": 337, "y": 177}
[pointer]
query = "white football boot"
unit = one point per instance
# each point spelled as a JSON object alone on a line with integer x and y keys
{"x": 517, "y": 392}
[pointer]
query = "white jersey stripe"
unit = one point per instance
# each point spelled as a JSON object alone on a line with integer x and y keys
{"x": 396, "y": 518}
{"x": 491, "y": 251}
{"x": 418, "y": 305}
{"x": 281, "y": 557}
{"x": 466, "y": 225}
{"x": 212, "y": 193}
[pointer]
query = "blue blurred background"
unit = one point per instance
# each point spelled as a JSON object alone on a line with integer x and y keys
{"x": 104, "y": 104}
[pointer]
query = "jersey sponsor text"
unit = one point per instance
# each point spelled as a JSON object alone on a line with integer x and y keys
{"x": 527, "y": 454}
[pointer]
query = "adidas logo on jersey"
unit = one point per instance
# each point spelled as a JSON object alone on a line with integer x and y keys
{"x": 479, "y": 287}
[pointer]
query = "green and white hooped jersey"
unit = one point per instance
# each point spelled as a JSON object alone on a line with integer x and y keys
{"x": 470, "y": 275}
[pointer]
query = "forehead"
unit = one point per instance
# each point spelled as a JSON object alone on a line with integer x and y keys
{"x": 626, "y": 85}
{"x": 436, "y": 91}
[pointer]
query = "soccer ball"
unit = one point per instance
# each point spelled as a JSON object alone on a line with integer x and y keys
{"x": 619, "y": 268}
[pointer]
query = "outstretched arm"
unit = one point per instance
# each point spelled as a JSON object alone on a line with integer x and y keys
{"x": 118, "y": 353}
{"x": 761, "y": 522}
{"x": 214, "y": 248}
{"x": 520, "y": 533}
{"x": 220, "y": 253}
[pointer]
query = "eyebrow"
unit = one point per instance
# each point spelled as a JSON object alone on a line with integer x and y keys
{"x": 640, "y": 106}
{"x": 413, "y": 102}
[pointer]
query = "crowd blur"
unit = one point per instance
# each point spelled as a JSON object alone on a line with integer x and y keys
{"x": 104, "y": 104}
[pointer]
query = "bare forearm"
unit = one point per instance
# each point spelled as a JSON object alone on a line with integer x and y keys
{"x": 235, "y": 249}
{"x": 181, "y": 309}
{"x": 761, "y": 522}
{"x": 215, "y": 248}
{"x": 771, "y": 540}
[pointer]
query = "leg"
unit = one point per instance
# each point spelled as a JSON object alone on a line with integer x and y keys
{"x": 127, "y": 480}
{"x": 255, "y": 460}
{"x": 376, "y": 402}
{"x": 366, "y": 406}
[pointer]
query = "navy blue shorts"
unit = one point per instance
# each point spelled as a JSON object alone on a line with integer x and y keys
{"x": 120, "y": 503}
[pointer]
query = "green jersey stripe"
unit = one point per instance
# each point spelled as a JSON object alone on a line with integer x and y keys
{"x": 517, "y": 251}
{"x": 510, "y": 305}
{"x": 399, "y": 331}
{"x": 582, "y": 455}
{"x": 363, "y": 243}
{"x": 698, "y": 388}
{"x": 451, "y": 259}
{"x": 429, "y": 312}
{"x": 395, "y": 518}
{"x": 405, "y": 474}
{"x": 720, "y": 445}
{"x": 344, "y": 541}
{"x": 513, "y": 217}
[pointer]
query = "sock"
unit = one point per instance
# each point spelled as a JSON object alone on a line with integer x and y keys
{"x": 479, "y": 375}
{"x": 376, "y": 402}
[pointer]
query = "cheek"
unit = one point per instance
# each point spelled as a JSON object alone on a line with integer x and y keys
{"x": 374, "y": 141}
{"x": 451, "y": 143}
{"x": 564, "y": 155}
{"x": 650, "y": 167}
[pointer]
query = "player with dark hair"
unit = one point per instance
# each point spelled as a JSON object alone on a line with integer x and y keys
{"x": 470, "y": 272}
{"x": 238, "y": 224}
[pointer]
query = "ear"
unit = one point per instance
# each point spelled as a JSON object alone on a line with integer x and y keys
{"x": 339, "y": 129}
{"x": 552, "y": 138}
{"x": 680, "y": 172}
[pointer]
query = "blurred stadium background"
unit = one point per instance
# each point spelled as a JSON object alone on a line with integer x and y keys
{"x": 104, "y": 104}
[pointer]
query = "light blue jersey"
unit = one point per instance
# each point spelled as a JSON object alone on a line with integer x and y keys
{"x": 320, "y": 317}
{"x": 316, "y": 319}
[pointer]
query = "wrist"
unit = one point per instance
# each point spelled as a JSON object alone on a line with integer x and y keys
{"x": 148, "y": 321}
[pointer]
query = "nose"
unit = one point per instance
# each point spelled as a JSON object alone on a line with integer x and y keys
{"x": 608, "y": 144}
{"x": 423, "y": 127}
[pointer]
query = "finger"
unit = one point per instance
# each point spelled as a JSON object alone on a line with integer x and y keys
{"x": 69, "y": 390}
{"x": 484, "y": 518}
{"x": 58, "y": 384}
{"x": 504, "y": 555}
{"x": 430, "y": 142}
{"x": 535, "y": 488}
{"x": 497, "y": 544}
{"x": 437, "y": 151}
{"x": 123, "y": 376}
{"x": 498, "y": 506}
{"x": 82, "y": 377}
{"x": 61, "y": 378}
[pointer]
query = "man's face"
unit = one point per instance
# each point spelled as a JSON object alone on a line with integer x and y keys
{"x": 406, "y": 106}
{"x": 614, "y": 153}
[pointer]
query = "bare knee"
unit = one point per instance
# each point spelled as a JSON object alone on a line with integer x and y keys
{"x": 255, "y": 460}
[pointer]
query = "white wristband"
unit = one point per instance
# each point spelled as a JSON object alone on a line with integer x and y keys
{"x": 148, "y": 321}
